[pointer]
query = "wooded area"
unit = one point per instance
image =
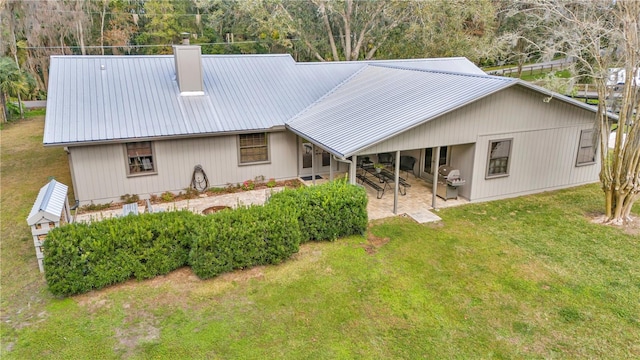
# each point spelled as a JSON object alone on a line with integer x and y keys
{"x": 312, "y": 30}
{"x": 598, "y": 34}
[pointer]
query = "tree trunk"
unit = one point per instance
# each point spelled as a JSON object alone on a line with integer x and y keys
{"x": 20, "y": 106}
{"x": 5, "y": 111}
{"x": 327, "y": 25}
{"x": 104, "y": 13}
{"x": 81, "y": 38}
{"x": 346, "y": 18}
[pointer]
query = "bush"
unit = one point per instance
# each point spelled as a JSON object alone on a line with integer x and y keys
{"x": 328, "y": 211}
{"x": 245, "y": 237}
{"x": 81, "y": 257}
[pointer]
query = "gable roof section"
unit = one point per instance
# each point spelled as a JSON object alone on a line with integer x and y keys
{"x": 137, "y": 97}
{"x": 49, "y": 203}
{"x": 379, "y": 102}
{"x": 453, "y": 64}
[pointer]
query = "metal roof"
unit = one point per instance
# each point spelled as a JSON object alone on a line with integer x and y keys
{"x": 379, "y": 102}
{"x": 107, "y": 98}
{"x": 453, "y": 64}
{"x": 49, "y": 203}
{"x": 94, "y": 99}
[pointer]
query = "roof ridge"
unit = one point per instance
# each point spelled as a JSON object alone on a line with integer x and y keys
{"x": 485, "y": 76}
{"x": 369, "y": 62}
{"x": 327, "y": 94}
{"x": 167, "y": 56}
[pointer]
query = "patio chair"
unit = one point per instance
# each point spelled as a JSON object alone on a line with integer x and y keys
{"x": 364, "y": 162}
{"x": 385, "y": 158}
{"x": 407, "y": 163}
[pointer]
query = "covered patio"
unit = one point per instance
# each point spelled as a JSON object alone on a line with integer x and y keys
{"x": 417, "y": 201}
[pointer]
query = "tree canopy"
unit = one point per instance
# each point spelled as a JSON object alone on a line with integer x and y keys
{"x": 310, "y": 30}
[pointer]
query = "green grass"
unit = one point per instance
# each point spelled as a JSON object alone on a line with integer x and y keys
{"x": 528, "y": 75}
{"x": 530, "y": 277}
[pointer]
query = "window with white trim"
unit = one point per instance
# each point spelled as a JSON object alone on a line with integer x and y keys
{"x": 586, "y": 148}
{"x": 499, "y": 158}
{"x": 140, "y": 159}
{"x": 253, "y": 148}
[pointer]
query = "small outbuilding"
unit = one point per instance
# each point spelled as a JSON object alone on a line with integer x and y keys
{"x": 50, "y": 210}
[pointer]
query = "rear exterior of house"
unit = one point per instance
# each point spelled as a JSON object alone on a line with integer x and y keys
{"x": 103, "y": 173}
{"x": 541, "y": 140}
{"x": 139, "y": 125}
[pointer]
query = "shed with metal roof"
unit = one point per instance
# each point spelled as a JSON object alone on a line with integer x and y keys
{"x": 50, "y": 210}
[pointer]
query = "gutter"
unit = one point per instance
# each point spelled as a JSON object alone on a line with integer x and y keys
{"x": 277, "y": 128}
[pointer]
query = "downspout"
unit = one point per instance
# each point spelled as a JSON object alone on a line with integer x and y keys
{"x": 352, "y": 179}
{"x": 330, "y": 169}
{"x": 313, "y": 164}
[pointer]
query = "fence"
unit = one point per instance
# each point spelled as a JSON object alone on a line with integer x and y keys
{"x": 530, "y": 69}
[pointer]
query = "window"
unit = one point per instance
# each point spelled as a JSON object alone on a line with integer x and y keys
{"x": 140, "y": 158}
{"x": 498, "y": 159}
{"x": 253, "y": 148}
{"x": 428, "y": 158}
{"x": 586, "y": 148}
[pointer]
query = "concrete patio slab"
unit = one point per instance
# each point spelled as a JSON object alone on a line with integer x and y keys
{"x": 424, "y": 216}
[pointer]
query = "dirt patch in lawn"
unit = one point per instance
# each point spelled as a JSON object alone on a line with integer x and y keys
{"x": 374, "y": 243}
{"x": 137, "y": 329}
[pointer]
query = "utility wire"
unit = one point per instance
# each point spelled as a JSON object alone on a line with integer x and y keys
{"x": 133, "y": 45}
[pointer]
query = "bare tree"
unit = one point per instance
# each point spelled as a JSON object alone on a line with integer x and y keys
{"x": 333, "y": 30}
{"x": 601, "y": 35}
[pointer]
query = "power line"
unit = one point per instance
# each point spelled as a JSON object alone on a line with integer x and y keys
{"x": 86, "y": 11}
{"x": 134, "y": 46}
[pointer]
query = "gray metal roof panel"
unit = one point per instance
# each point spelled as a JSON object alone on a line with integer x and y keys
{"x": 138, "y": 97}
{"x": 380, "y": 102}
{"x": 49, "y": 203}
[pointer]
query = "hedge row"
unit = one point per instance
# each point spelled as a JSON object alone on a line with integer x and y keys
{"x": 243, "y": 238}
{"x": 328, "y": 211}
{"x": 81, "y": 257}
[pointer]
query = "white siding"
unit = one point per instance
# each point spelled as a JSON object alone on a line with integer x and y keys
{"x": 100, "y": 171}
{"x": 540, "y": 160}
{"x": 462, "y": 157}
{"x": 545, "y": 144}
{"x": 513, "y": 109}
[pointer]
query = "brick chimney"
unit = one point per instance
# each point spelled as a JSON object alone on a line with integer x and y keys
{"x": 188, "y": 60}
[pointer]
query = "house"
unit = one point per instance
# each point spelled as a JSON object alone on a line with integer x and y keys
{"x": 617, "y": 77}
{"x": 140, "y": 124}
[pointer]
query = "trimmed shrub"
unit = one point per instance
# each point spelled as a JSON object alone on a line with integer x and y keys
{"x": 245, "y": 237}
{"x": 328, "y": 211}
{"x": 81, "y": 257}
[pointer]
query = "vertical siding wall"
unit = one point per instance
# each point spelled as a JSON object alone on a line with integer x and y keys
{"x": 545, "y": 143}
{"x": 540, "y": 160}
{"x": 462, "y": 157}
{"x": 100, "y": 171}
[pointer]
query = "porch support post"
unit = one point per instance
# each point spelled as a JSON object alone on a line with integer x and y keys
{"x": 396, "y": 176}
{"x": 435, "y": 160}
{"x": 352, "y": 169}
{"x": 313, "y": 164}
{"x": 330, "y": 167}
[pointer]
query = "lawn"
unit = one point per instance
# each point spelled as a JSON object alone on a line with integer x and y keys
{"x": 530, "y": 277}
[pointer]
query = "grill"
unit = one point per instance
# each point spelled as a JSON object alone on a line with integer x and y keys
{"x": 448, "y": 182}
{"x": 449, "y": 176}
